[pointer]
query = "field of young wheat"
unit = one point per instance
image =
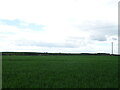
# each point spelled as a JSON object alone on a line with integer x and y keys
{"x": 60, "y": 72}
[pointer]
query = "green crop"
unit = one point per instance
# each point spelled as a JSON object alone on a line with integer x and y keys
{"x": 60, "y": 72}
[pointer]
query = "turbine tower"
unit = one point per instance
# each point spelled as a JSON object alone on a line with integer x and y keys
{"x": 112, "y": 48}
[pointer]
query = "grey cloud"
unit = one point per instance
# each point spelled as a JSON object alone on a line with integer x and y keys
{"x": 114, "y": 38}
{"x": 44, "y": 44}
{"x": 78, "y": 41}
{"x": 99, "y": 37}
{"x": 99, "y": 29}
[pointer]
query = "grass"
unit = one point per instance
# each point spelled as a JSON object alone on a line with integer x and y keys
{"x": 60, "y": 72}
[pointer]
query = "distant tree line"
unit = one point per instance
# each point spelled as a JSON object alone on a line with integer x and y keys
{"x": 46, "y": 54}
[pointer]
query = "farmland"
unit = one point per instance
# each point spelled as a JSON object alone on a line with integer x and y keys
{"x": 60, "y": 71}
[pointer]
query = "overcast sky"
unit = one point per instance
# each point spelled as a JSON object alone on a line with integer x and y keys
{"x": 74, "y": 26}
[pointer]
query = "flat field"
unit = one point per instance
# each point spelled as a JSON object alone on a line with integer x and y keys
{"x": 60, "y": 72}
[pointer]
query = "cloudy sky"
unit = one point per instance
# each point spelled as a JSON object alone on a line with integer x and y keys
{"x": 74, "y": 26}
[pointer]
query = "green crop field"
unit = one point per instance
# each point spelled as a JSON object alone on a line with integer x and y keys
{"x": 60, "y": 72}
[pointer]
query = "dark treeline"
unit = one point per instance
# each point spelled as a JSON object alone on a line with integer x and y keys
{"x": 45, "y": 53}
